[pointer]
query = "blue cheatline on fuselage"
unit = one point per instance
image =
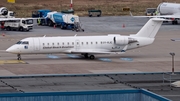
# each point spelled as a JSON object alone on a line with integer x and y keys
{"x": 52, "y": 56}
{"x": 127, "y": 59}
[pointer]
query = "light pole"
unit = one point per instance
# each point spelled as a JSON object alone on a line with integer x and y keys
{"x": 172, "y": 54}
{"x": 71, "y": 5}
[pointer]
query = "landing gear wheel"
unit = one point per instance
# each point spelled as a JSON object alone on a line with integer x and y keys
{"x": 92, "y": 57}
{"x": 19, "y": 56}
{"x": 86, "y": 55}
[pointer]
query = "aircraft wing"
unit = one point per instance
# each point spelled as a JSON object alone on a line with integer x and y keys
{"x": 174, "y": 16}
{"x": 162, "y": 16}
{"x": 98, "y": 51}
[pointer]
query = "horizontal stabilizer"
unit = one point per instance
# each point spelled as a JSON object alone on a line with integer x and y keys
{"x": 166, "y": 17}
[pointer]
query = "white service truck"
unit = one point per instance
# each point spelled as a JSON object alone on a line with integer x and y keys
{"x": 173, "y": 9}
{"x": 19, "y": 24}
{"x": 61, "y": 19}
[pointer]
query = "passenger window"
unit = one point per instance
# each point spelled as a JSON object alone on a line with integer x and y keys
{"x": 57, "y": 43}
{"x": 68, "y": 43}
{"x": 52, "y": 43}
{"x": 91, "y": 42}
{"x": 63, "y": 43}
{"x": 47, "y": 43}
{"x": 82, "y": 43}
{"x": 86, "y": 42}
{"x": 43, "y": 44}
{"x": 72, "y": 43}
{"x": 96, "y": 42}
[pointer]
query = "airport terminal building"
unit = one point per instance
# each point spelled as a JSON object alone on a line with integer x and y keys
{"x": 86, "y": 87}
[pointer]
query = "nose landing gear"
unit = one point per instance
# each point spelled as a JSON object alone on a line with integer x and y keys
{"x": 92, "y": 57}
{"x": 19, "y": 56}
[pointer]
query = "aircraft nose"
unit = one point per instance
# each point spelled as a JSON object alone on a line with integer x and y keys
{"x": 10, "y": 49}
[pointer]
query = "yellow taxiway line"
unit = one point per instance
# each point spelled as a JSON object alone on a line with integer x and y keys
{"x": 12, "y": 62}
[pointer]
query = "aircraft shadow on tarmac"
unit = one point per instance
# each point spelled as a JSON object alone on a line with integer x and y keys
{"x": 106, "y": 58}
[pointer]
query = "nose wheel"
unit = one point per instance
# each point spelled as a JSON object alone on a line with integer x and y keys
{"x": 19, "y": 56}
{"x": 86, "y": 55}
{"x": 92, "y": 57}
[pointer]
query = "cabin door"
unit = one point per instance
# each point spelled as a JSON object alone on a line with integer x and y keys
{"x": 77, "y": 44}
{"x": 36, "y": 44}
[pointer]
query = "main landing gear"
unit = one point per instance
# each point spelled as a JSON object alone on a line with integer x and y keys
{"x": 86, "y": 55}
{"x": 19, "y": 56}
{"x": 175, "y": 22}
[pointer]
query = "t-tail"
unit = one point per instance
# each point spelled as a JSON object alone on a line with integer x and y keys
{"x": 151, "y": 28}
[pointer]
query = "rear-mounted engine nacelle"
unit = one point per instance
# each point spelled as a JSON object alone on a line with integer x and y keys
{"x": 122, "y": 40}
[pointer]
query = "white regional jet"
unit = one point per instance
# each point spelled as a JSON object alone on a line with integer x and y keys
{"x": 88, "y": 45}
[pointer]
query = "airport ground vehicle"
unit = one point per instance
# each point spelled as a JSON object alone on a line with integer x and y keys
{"x": 20, "y": 24}
{"x": 150, "y": 12}
{"x": 40, "y": 14}
{"x": 4, "y": 13}
{"x": 169, "y": 11}
{"x": 54, "y": 18}
{"x": 94, "y": 13}
{"x": 9, "y": 15}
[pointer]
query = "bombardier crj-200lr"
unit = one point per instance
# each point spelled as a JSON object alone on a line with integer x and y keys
{"x": 88, "y": 45}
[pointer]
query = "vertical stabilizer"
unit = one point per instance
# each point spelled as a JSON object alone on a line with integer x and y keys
{"x": 151, "y": 28}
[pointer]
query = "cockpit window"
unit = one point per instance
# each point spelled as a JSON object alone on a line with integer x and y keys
{"x": 25, "y": 42}
{"x": 22, "y": 42}
{"x": 19, "y": 42}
